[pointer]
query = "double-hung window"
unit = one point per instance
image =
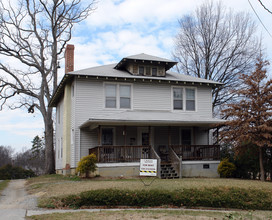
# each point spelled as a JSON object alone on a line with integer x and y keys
{"x": 110, "y": 90}
{"x": 117, "y": 96}
{"x": 178, "y": 98}
{"x": 184, "y": 99}
{"x": 190, "y": 99}
{"x": 125, "y": 95}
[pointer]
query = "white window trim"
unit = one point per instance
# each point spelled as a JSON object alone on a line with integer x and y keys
{"x": 117, "y": 95}
{"x": 183, "y": 98}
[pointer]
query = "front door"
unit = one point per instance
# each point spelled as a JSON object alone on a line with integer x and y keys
{"x": 143, "y": 140}
{"x": 143, "y": 136}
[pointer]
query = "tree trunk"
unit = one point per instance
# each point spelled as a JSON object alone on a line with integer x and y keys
{"x": 49, "y": 146}
{"x": 261, "y": 163}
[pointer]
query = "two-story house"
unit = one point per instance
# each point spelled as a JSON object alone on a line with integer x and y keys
{"x": 135, "y": 109}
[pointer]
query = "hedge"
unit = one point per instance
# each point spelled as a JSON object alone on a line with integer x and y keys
{"x": 207, "y": 197}
{"x": 10, "y": 172}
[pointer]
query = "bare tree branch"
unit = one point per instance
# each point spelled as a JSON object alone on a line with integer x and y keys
{"x": 33, "y": 35}
{"x": 216, "y": 44}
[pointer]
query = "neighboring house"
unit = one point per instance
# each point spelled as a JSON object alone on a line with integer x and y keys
{"x": 135, "y": 109}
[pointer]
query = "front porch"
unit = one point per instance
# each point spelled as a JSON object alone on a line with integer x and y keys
{"x": 176, "y": 148}
{"x": 120, "y": 154}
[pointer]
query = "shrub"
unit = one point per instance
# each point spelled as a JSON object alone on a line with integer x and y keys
{"x": 10, "y": 172}
{"x": 87, "y": 164}
{"x": 226, "y": 168}
{"x": 207, "y": 197}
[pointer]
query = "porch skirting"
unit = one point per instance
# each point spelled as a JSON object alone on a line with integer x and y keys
{"x": 200, "y": 168}
{"x": 118, "y": 169}
{"x": 193, "y": 168}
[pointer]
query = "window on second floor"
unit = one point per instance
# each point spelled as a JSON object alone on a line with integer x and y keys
{"x": 178, "y": 98}
{"x": 125, "y": 95}
{"x": 190, "y": 99}
{"x": 110, "y": 91}
{"x": 117, "y": 96}
{"x": 184, "y": 99}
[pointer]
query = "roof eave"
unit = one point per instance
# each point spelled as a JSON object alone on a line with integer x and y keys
{"x": 59, "y": 91}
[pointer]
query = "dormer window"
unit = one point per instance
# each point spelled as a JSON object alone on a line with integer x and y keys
{"x": 154, "y": 71}
{"x": 141, "y": 70}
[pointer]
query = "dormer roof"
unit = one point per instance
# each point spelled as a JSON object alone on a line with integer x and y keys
{"x": 145, "y": 58}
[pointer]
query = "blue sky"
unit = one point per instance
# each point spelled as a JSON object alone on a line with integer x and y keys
{"x": 120, "y": 28}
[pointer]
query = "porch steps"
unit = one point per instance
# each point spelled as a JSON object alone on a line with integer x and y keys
{"x": 168, "y": 172}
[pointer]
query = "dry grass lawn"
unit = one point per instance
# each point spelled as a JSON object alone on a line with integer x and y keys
{"x": 56, "y": 185}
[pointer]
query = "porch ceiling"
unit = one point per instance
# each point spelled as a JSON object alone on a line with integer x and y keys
{"x": 151, "y": 118}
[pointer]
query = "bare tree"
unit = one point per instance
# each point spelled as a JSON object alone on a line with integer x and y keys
{"x": 5, "y": 155}
{"x": 33, "y": 35}
{"x": 216, "y": 44}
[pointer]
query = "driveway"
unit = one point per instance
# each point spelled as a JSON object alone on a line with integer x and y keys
{"x": 14, "y": 201}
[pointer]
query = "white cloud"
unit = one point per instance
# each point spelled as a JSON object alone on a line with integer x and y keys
{"x": 121, "y": 28}
{"x": 140, "y": 12}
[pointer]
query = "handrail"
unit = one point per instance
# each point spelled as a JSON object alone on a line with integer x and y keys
{"x": 197, "y": 152}
{"x": 154, "y": 155}
{"x": 175, "y": 161}
{"x": 116, "y": 154}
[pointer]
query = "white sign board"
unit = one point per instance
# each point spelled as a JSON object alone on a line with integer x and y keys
{"x": 148, "y": 167}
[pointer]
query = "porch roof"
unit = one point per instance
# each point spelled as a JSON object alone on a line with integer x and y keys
{"x": 155, "y": 118}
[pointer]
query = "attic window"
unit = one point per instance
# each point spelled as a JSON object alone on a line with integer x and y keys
{"x": 141, "y": 70}
{"x": 154, "y": 71}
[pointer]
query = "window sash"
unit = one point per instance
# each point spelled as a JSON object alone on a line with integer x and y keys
{"x": 190, "y": 99}
{"x": 110, "y": 92}
{"x": 154, "y": 71}
{"x": 141, "y": 70}
{"x": 125, "y": 96}
{"x": 178, "y": 98}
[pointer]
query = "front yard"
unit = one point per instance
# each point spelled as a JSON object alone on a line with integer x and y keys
{"x": 57, "y": 185}
{"x": 55, "y": 190}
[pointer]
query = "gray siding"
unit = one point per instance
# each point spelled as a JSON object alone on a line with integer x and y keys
{"x": 88, "y": 139}
{"x": 147, "y": 96}
{"x": 89, "y": 101}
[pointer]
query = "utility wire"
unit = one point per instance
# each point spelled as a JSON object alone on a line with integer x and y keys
{"x": 265, "y": 7}
{"x": 259, "y": 19}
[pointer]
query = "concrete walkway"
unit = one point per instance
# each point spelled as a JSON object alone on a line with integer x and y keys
{"x": 14, "y": 201}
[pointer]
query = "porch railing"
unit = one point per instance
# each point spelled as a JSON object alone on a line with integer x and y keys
{"x": 116, "y": 154}
{"x": 197, "y": 152}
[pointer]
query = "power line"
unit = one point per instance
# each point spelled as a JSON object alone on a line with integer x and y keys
{"x": 265, "y": 7}
{"x": 259, "y": 19}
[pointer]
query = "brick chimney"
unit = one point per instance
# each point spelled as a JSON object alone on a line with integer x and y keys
{"x": 69, "y": 58}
